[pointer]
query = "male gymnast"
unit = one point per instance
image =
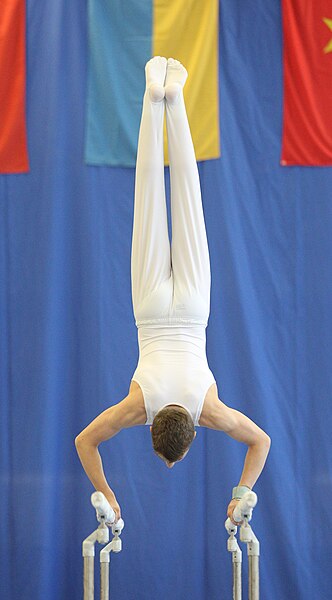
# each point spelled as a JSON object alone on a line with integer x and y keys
{"x": 172, "y": 389}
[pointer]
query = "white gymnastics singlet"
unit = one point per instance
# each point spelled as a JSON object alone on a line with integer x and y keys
{"x": 173, "y": 368}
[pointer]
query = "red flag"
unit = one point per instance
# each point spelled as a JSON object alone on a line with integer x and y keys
{"x": 307, "y": 53}
{"x": 13, "y": 143}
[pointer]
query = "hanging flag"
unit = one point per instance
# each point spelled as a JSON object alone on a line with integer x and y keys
{"x": 123, "y": 36}
{"x": 307, "y": 122}
{"x": 13, "y": 142}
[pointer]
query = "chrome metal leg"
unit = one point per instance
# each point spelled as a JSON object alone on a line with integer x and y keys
{"x": 88, "y": 577}
{"x": 237, "y": 580}
{"x": 253, "y": 577}
{"x": 104, "y": 581}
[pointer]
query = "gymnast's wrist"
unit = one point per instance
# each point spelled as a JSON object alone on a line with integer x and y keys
{"x": 239, "y": 491}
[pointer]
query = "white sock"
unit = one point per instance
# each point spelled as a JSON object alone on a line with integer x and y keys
{"x": 176, "y": 77}
{"x": 155, "y": 72}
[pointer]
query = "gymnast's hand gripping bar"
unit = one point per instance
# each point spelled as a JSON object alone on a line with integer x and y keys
{"x": 105, "y": 515}
{"x": 104, "y": 511}
{"x": 243, "y": 509}
{"x": 243, "y": 514}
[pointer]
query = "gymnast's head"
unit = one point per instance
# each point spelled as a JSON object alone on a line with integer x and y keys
{"x": 173, "y": 432}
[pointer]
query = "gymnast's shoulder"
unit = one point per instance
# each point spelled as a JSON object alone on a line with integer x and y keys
{"x": 127, "y": 413}
{"x": 217, "y": 415}
{"x": 131, "y": 410}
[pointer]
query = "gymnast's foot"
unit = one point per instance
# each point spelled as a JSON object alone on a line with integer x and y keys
{"x": 155, "y": 73}
{"x": 176, "y": 77}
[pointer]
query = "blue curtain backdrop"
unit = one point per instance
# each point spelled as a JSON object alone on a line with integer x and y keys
{"x": 69, "y": 347}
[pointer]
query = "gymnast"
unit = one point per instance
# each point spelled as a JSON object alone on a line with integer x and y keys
{"x": 172, "y": 389}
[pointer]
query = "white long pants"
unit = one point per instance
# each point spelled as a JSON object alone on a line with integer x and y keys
{"x": 170, "y": 285}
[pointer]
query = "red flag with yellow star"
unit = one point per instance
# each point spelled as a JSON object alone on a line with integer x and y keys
{"x": 307, "y": 56}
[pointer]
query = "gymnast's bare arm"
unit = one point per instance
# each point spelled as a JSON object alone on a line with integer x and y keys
{"x": 216, "y": 415}
{"x": 127, "y": 413}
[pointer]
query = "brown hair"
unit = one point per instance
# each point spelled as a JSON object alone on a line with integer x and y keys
{"x": 172, "y": 432}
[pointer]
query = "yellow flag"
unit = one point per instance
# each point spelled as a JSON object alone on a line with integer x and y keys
{"x": 187, "y": 30}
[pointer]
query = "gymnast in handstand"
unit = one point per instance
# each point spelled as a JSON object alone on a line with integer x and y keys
{"x": 172, "y": 389}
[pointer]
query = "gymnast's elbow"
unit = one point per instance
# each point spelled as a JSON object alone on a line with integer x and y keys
{"x": 241, "y": 428}
{"x": 79, "y": 441}
{"x": 98, "y": 431}
{"x": 83, "y": 441}
{"x": 264, "y": 440}
{"x": 268, "y": 441}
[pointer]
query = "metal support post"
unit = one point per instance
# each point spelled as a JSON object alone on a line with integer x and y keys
{"x": 243, "y": 514}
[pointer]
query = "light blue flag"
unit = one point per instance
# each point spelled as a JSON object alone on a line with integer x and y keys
{"x": 120, "y": 43}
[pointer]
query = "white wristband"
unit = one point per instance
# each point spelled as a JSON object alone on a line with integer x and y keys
{"x": 239, "y": 491}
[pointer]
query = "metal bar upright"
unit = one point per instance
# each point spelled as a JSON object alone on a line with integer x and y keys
{"x": 237, "y": 580}
{"x": 88, "y": 578}
{"x": 243, "y": 514}
{"x": 104, "y": 581}
{"x": 253, "y": 577}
